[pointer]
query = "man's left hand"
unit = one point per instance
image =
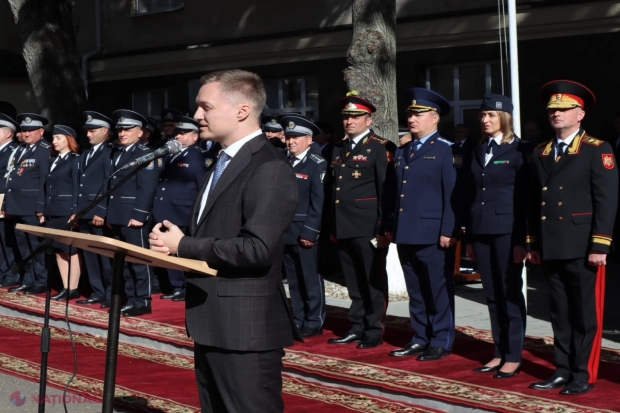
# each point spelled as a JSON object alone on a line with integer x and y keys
{"x": 166, "y": 242}
{"x": 446, "y": 242}
{"x": 135, "y": 224}
{"x": 597, "y": 259}
{"x": 306, "y": 243}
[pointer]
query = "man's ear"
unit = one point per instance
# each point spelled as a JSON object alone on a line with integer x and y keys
{"x": 243, "y": 112}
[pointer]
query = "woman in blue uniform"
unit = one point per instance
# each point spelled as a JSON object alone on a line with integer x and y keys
{"x": 496, "y": 229}
{"x": 61, "y": 193}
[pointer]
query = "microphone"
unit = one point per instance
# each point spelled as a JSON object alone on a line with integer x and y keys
{"x": 171, "y": 147}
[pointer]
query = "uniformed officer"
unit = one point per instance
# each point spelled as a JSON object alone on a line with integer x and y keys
{"x": 496, "y": 228}
{"x": 130, "y": 206}
{"x": 359, "y": 167}
{"x": 25, "y": 198}
{"x": 61, "y": 195}
{"x": 178, "y": 187}
{"x": 95, "y": 169}
{"x": 8, "y": 126}
{"x": 571, "y": 218}
{"x": 301, "y": 251}
{"x": 423, "y": 224}
{"x": 151, "y": 136}
{"x": 169, "y": 126}
{"x": 272, "y": 128}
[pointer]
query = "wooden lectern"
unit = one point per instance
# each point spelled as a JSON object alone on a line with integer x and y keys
{"x": 120, "y": 252}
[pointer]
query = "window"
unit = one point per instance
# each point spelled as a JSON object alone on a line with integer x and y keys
{"x": 152, "y": 102}
{"x": 157, "y": 6}
{"x": 293, "y": 95}
{"x": 464, "y": 86}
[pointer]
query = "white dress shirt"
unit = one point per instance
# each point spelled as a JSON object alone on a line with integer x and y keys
{"x": 300, "y": 157}
{"x": 498, "y": 140}
{"x": 567, "y": 141}
{"x": 63, "y": 156}
{"x": 359, "y": 138}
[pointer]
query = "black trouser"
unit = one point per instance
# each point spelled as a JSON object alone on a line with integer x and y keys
{"x": 305, "y": 286}
{"x": 503, "y": 288}
{"x": 35, "y": 273}
{"x": 98, "y": 267}
{"x": 7, "y": 245}
{"x": 239, "y": 382}
{"x": 576, "y": 293}
{"x": 137, "y": 276}
{"x": 366, "y": 279}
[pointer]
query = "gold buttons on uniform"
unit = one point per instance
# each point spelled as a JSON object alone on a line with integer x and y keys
{"x": 559, "y": 204}
{"x": 561, "y": 219}
{"x": 338, "y": 189}
{"x": 543, "y": 203}
{"x": 561, "y": 188}
{"x": 406, "y": 167}
{"x": 543, "y": 218}
{"x": 401, "y": 210}
{"x": 343, "y": 165}
{"x": 544, "y": 188}
{"x": 404, "y": 182}
{"x": 337, "y": 201}
{"x": 402, "y": 195}
{"x": 340, "y": 177}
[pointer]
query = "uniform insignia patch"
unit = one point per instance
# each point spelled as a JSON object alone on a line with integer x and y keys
{"x": 347, "y": 154}
{"x": 208, "y": 162}
{"x": 356, "y": 174}
{"x": 457, "y": 160}
{"x": 160, "y": 162}
{"x": 592, "y": 141}
{"x": 183, "y": 165}
{"x": 432, "y": 158}
{"x": 291, "y": 125}
{"x": 27, "y": 120}
{"x": 608, "y": 161}
{"x": 498, "y": 105}
{"x": 89, "y": 118}
{"x": 359, "y": 158}
{"x": 351, "y": 106}
{"x": 273, "y": 121}
{"x": 121, "y": 120}
{"x": 322, "y": 176}
{"x": 414, "y": 102}
{"x": 150, "y": 166}
{"x": 301, "y": 176}
{"x": 368, "y": 150}
{"x": 501, "y": 162}
{"x": 316, "y": 158}
{"x": 445, "y": 141}
{"x": 365, "y": 141}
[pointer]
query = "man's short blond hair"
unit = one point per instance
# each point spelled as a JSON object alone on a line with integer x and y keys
{"x": 238, "y": 86}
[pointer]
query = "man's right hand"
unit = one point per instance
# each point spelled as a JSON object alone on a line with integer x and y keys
{"x": 533, "y": 257}
{"x": 98, "y": 221}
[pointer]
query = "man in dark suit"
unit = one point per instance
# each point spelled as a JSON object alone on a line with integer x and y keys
{"x": 573, "y": 202}
{"x": 239, "y": 320}
{"x": 179, "y": 183}
{"x": 360, "y": 166}
{"x": 424, "y": 224}
{"x": 95, "y": 168}
{"x": 25, "y": 198}
{"x": 8, "y": 126}
{"x": 129, "y": 208}
{"x": 301, "y": 251}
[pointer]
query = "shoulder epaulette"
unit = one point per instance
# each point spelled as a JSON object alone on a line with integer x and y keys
{"x": 588, "y": 140}
{"x": 447, "y": 142}
{"x": 542, "y": 145}
{"x": 77, "y": 155}
{"x": 316, "y": 158}
{"x": 199, "y": 149}
{"x": 379, "y": 139}
{"x": 142, "y": 147}
{"x": 44, "y": 144}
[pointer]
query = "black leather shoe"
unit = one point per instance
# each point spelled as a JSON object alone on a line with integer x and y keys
{"x": 503, "y": 375}
{"x": 348, "y": 339}
{"x": 89, "y": 301}
{"x": 550, "y": 384}
{"x": 62, "y": 295}
{"x": 485, "y": 369}
{"x": 73, "y": 294}
{"x": 105, "y": 304}
{"x": 171, "y": 296}
{"x": 34, "y": 290}
{"x": 433, "y": 353}
{"x": 409, "y": 350}
{"x": 126, "y": 307}
{"x": 19, "y": 289}
{"x": 310, "y": 332}
{"x": 137, "y": 310}
{"x": 370, "y": 343}
{"x": 8, "y": 284}
{"x": 575, "y": 388}
{"x": 180, "y": 297}
{"x": 155, "y": 289}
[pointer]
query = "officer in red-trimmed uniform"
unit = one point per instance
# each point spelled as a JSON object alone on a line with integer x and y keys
{"x": 358, "y": 172}
{"x": 573, "y": 205}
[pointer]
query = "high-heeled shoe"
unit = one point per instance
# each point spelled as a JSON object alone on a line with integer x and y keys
{"x": 487, "y": 369}
{"x": 62, "y": 295}
{"x": 503, "y": 375}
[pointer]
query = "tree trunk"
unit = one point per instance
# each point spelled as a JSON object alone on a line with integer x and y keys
{"x": 372, "y": 61}
{"x": 50, "y": 50}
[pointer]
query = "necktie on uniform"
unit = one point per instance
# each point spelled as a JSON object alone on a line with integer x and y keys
{"x": 561, "y": 147}
{"x": 120, "y": 155}
{"x": 415, "y": 146}
{"x": 90, "y": 155}
{"x": 490, "y": 146}
{"x": 219, "y": 169}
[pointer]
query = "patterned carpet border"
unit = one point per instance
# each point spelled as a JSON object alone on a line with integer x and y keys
{"x": 148, "y": 403}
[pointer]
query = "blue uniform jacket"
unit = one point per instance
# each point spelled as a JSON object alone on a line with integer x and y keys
{"x": 309, "y": 172}
{"x": 5, "y": 155}
{"x": 92, "y": 177}
{"x": 500, "y": 191}
{"x": 179, "y": 184}
{"x": 61, "y": 186}
{"x": 134, "y": 199}
{"x": 423, "y": 197}
{"x": 25, "y": 188}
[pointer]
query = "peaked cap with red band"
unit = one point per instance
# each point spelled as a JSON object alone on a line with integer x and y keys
{"x": 353, "y": 104}
{"x": 566, "y": 94}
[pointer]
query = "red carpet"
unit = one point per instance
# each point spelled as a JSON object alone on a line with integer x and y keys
{"x": 151, "y": 380}
{"x": 450, "y": 380}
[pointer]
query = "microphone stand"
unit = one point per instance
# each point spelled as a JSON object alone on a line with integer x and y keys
{"x": 115, "y": 305}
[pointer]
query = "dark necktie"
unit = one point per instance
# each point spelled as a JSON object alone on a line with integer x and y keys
{"x": 120, "y": 155}
{"x": 560, "y": 151}
{"x": 415, "y": 146}
{"x": 293, "y": 159}
{"x": 491, "y": 145}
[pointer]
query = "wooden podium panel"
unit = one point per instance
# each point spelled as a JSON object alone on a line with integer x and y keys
{"x": 109, "y": 246}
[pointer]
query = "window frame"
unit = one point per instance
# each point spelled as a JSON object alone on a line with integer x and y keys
{"x": 303, "y": 109}
{"x": 137, "y": 13}
{"x": 149, "y": 92}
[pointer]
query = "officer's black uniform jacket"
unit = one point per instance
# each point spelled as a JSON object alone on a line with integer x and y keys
{"x": 5, "y": 155}
{"x": 309, "y": 172}
{"x": 358, "y": 180}
{"x": 61, "y": 186}
{"x": 25, "y": 188}
{"x": 573, "y": 201}
{"x": 134, "y": 199}
{"x": 500, "y": 191}
{"x": 92, "y": 176}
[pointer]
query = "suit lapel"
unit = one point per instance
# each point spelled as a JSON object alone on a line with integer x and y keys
{"x": 61, "y": 161}
{"x": 570, "y": 154}
{"x": 426, "y": 146}
{"x": 547, "y": 158}
{"x": 480, "y": 154}
{"x": 94, "y": 156}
